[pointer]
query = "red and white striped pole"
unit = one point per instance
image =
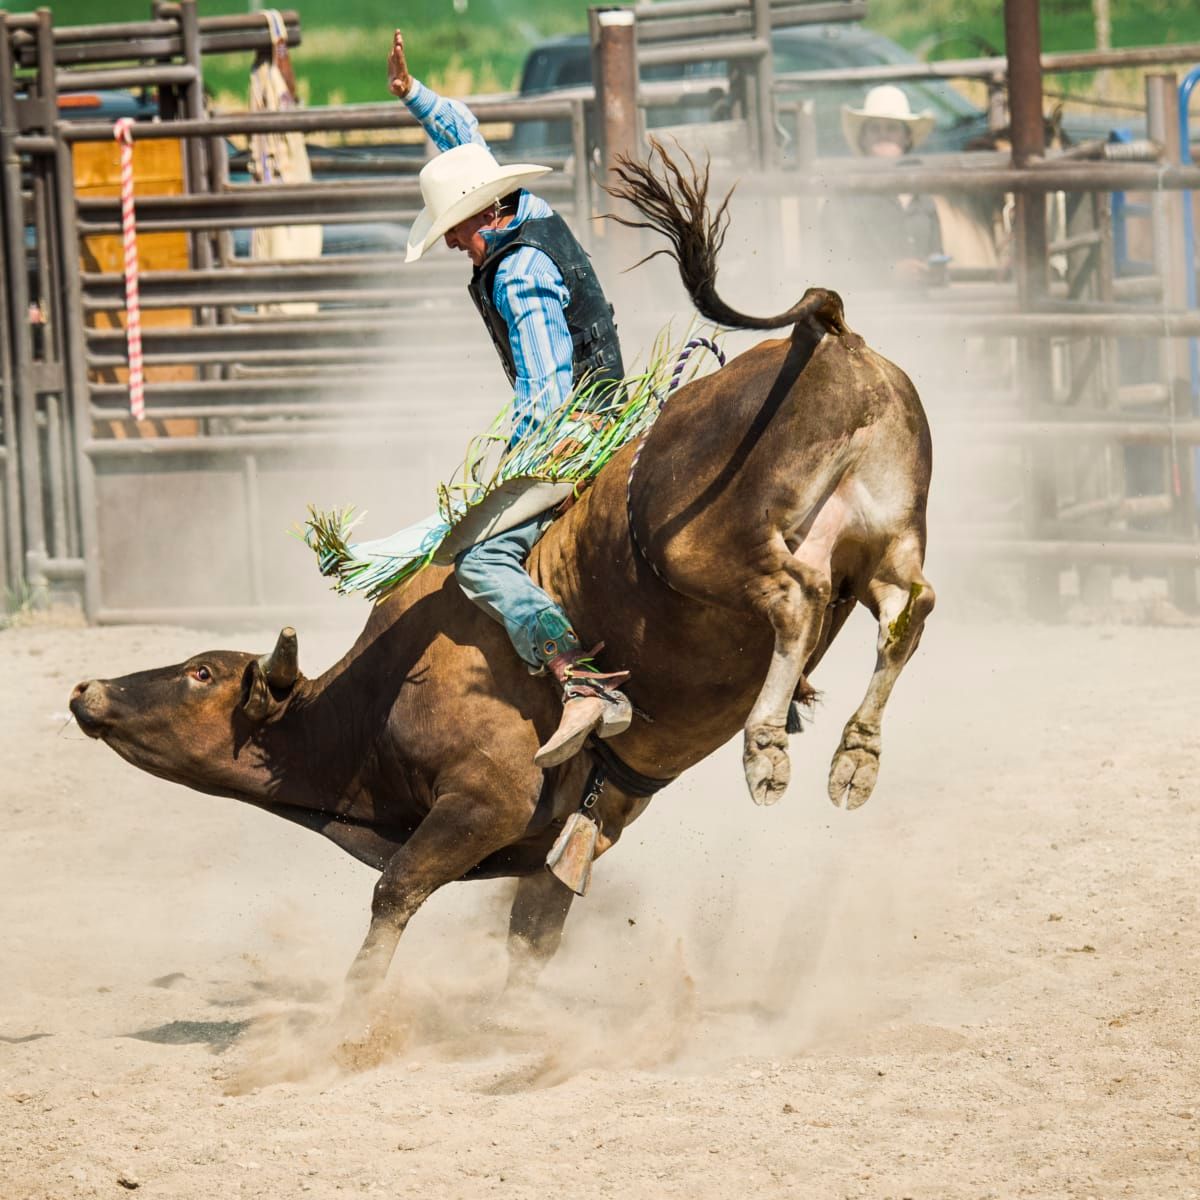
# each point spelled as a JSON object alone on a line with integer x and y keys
{"x": 123, "y": 132}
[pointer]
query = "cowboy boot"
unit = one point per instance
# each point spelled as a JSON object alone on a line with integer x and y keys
{"x": 591, "y": 704}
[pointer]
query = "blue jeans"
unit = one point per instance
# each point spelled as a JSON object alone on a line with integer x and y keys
{"x": 492, "y": 574}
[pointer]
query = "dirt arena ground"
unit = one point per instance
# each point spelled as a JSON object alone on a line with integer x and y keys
{"x": 983, "y": 984}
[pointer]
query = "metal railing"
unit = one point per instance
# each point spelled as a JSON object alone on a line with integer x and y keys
{"x": 259, "y": 392}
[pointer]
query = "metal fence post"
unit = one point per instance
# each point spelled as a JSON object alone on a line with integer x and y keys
{"x": 614, "y": 46}
{"x": 1171, "y": 252}
{"x": 24, "y": 398}
{"x": 78, "y": 389}
{"x": 764, "y": 89}
{"x": 615, "y": 71}
{"x": 1023, "y": 42}
{"x": 8, "y": 417}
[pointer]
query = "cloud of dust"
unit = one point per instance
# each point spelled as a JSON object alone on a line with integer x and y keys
{"x": 715, "y": 931}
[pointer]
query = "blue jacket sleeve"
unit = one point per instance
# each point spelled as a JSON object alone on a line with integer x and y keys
{"x": 449, "y": 123}
{"x": 531, "y": 296}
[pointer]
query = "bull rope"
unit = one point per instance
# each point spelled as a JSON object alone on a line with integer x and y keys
{"x": 123, "y": 132}
{"x": 695, "y": 343}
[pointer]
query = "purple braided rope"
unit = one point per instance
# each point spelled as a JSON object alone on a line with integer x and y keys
{"x": 695, "y": 344}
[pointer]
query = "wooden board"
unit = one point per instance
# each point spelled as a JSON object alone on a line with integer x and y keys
{"x": 158, "y": 168}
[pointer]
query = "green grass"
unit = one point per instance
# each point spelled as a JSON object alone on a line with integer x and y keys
{"x": 346, "y": 41}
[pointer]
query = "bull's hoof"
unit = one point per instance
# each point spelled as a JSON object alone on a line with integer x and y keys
{"x": 855, "y": 766}
{"x": 765, "y": 760}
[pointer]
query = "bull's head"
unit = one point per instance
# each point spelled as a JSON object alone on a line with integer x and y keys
{"x": 198, "y": 723}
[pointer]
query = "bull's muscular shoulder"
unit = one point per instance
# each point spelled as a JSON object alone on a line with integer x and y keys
{"x": 442, "y": 668}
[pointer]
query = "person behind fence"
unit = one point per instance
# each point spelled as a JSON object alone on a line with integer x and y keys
{"x": 879, "y": 231}
{"x": 552, "y": 326}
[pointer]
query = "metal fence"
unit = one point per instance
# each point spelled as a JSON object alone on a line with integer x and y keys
{"x": 311, "y": 380}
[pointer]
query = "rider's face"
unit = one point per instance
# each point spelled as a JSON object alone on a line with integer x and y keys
{"x": 467, "y": 235}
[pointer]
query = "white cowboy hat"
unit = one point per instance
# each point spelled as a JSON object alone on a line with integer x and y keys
{"x": 460, "y": 183}
{"x": 886, "y": 103}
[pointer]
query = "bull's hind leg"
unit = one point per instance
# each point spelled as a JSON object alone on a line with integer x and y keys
{"x": 794, "y": 599}
{"x": 901, "y": 598}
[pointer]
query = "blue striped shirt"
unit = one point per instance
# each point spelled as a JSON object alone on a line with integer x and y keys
{"x": 528, "y": 292}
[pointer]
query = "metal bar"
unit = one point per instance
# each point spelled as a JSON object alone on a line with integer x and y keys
{"x": 197, "y": 297}
{"x": 788, "y": 16}
{"x": 733, "y": 50}
{"x": 282, "y": 275}
{"x": 282, "y": 332}
{"x": 764, "y": 94}
{"x": 321, "y": 120}
{"x": 75, "y": 357}
{"x": 1022, "y": 30}
{"x": 1140, "y": 433}
{"x": 190, "y": 394}
{"x": 582, "y": 174}
{"x": 282, "y": 357}
{"x": 1078, "y": 551}
{"x": 63, "y": 568}
{"x": 253, "y": 529}
{"x": 33, "y": 143}
{"x": 989, "y": 68}
{"x": 66, "y": 35}
{"x": 24, "y": 400}
{"x": 219, "y": 445}
{"x": 57, "y": 478}
{"x": 156, "y": 48}
{"x": 1162, "y": 120}
{"x": 128, "y": 77}
{"x": 1089, "y": 177}
{"x": 616, "y": 76}
{"x": 346, "y": 415}
{"x": 14, "y": 555}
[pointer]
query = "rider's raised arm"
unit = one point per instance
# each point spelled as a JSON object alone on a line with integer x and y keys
{"x": 449, "y": 123}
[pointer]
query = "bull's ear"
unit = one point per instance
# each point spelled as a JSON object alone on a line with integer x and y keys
{"x": 270, "y": 675}
{"x": 258, "y": 702}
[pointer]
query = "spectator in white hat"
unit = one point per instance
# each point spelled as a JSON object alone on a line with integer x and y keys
{"x": 879, "y": 231}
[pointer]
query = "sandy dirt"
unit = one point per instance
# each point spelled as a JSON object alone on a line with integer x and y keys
{"x": 983, "y": 984}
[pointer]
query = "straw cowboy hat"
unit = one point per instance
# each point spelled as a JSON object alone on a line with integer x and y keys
{"x": 459, "y": 183}
{"x": 886, "y": 103}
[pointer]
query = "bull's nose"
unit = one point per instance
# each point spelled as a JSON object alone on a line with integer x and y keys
{"x": 85, "y": 701}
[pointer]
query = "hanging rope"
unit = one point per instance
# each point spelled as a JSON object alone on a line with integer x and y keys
{"x": 123, "y": 132}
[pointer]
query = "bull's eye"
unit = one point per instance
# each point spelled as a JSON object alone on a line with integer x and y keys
{"x": 201, "y": 674}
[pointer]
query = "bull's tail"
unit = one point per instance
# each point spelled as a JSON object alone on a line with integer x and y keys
{"x": 675, "y": 204}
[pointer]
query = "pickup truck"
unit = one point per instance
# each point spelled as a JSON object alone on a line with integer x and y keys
{"x": 565, "y": 62}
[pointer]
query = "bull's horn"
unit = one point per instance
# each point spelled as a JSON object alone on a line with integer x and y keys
{"x": 282, "y": 666}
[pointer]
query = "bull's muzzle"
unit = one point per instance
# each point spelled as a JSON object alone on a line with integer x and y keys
{"x": 89, "y": 704}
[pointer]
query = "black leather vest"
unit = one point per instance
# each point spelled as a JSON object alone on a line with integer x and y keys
{"x": 597, "y": 353}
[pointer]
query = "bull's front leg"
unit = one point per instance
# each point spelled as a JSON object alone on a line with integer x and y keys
{"x": 459, "y": 832}
{"x": 535, "y": 928}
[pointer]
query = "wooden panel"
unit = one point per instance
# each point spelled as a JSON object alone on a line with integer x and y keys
{"x": 158, "y": 169}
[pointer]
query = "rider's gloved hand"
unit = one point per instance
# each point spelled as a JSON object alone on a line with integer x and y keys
{"x": 399, "y": 80}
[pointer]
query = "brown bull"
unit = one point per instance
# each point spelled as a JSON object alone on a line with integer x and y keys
{"x": 718, "y": 561}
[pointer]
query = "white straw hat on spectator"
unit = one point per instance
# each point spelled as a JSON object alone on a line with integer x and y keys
{"x": 886, "y": 103}
{"x": 462, "y": 182}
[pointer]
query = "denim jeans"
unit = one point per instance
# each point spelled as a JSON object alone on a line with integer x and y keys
{"x": 492, "y": 574}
